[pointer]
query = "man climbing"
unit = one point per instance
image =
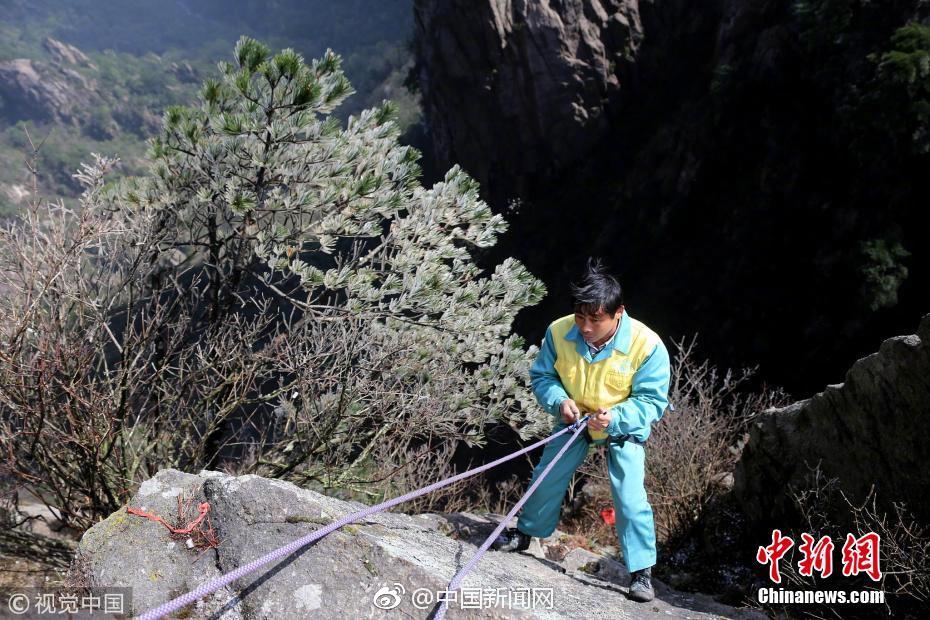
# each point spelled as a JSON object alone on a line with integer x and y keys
{"x": 602, "y": 362}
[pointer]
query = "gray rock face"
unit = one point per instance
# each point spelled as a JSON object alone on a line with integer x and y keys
{"x": 64, "y": 89}
{"x": 338, "y": 576}
{"x": 870, "y": 430}
{"x": 67, "y": 54}
{"x": 512, "y": 89}
{"x": 184, "y": 72}
{"x": 39, "y": 91}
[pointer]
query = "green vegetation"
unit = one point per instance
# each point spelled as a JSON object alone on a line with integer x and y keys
{"x": 147, "y": 57}
{"x": 903, "y": 78}
{"x": 883, "y": 271}
{"x": 121, "y": 111}
{"x": 275, "y": 294}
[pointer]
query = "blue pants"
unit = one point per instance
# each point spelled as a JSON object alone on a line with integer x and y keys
{"x": 626, "y": 466}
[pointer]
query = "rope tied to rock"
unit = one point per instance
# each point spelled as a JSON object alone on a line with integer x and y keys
{"x": 203, "y": 508}
{"x": 281, "y": 552}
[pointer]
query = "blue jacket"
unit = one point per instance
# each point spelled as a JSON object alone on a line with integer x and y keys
{"x": 636, "y": 356}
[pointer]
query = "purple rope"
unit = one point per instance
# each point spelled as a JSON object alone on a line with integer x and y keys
{"x": 218, "y": 582}
{"x": 460, "y": 576}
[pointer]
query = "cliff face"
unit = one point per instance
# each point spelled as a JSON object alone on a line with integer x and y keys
{"x": 753, "y": 169}
{"x": 48, "y": 91}
{"x": 65, "y": 89}
{"x": 517, "y": 89}
{"x": 870, "y": 430}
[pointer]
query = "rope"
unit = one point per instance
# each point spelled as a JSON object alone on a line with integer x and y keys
{"x": 204, "y": 509}
{"x": 218, "y": 582}
{"x": 460, "y": 576}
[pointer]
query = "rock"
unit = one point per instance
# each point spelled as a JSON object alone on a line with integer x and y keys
{"x": 596, "y": 565}
{"x": 26, "y": 94}
{"x": 184, "y": 72}
{"x": 67, "y": 54}
{"x": 580, "y": 559}
{"x": 128, "y": 550}
{"x": 869, "y": 430}
{"x": 33, "y": 90}
{"x": 65, "y": 90}
{"x": 514, "y": 90}
{"x": 339, "y": 575}
{"x": 611, "y": 570}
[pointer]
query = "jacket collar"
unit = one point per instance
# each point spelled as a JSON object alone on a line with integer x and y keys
{"x": 621, "y": 340}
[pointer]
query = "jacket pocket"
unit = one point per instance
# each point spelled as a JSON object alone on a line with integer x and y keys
{"x": 619, "y": 384}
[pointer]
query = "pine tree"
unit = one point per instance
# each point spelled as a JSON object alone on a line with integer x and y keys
{"x": 399, "y": 346}
{"x": 260, "y": 166}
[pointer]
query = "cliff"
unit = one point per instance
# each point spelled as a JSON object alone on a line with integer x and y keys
{"x": 48, "y": 91}
{"x": 517, "y": 90}
{"x": 869, "y": 430}
{"x": 752, "y": 169}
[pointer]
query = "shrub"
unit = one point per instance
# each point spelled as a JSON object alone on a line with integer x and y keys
{"x": 904, "y": 552}
{"x": 277, "y": 295}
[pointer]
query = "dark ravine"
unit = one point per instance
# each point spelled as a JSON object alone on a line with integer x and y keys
{"x": 743, "y": 165}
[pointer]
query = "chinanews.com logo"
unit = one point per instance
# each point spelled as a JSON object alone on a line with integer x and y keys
{"x": 859, "y": 556}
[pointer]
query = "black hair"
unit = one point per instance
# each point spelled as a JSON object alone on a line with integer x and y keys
{"x": 596, "y": 289}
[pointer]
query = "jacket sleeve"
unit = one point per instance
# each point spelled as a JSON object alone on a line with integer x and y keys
{"x": 547, "y": 387}
{"x": 648, "y": 398}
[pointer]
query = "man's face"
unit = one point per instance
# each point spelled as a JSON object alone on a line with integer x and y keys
{"x": 596, "y": 328}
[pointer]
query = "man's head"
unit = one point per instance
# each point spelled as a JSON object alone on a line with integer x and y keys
{"x": 598, "y": 302}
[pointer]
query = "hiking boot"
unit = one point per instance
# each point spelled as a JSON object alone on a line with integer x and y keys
{"x": 511, "y": 540}
{"x": 641, "y": 586}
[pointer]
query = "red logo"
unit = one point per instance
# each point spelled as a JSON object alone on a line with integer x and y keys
{"x": 860, "y": 555}
{"x": 771, "y": 554}
{"x": 817, "y": 557}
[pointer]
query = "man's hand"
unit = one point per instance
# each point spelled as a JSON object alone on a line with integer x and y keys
{"x": 569, "y": 410}
{"x": 599, "y": 419}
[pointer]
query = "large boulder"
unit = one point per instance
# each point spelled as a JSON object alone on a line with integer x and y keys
{"x": 338, "y": 576}
{"x": 64, "y": 89}
{"x": 65, "y": 54}
{"x": 868, "y": 431}
{"x": 34, "y": 90}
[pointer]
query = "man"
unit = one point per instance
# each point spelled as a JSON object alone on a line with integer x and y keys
{"x": 602, "y": 362}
